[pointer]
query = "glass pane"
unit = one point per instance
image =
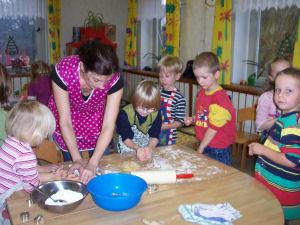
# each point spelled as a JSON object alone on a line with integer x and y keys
{"x": 277, "y": 33}
{"x": 18, "y": 39}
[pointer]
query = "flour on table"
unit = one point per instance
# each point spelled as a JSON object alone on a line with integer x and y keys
{"x": 130, "y": 166}
{"x": 167, "y": 158}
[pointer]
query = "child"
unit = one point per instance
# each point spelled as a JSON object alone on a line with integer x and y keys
{"x": 278, "y": 163}
{"x": 172, "y": 101}
{"x": 27, "y": 125}
{"x": 215, "y": 115}
{"x": 40, "y": 83}
{"x": 267, "y": 112}
{"x": 5, "y": 91}
{"x": 139, "y": 123}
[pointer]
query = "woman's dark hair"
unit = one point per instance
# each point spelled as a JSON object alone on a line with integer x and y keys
{"x": 98, "y": 57}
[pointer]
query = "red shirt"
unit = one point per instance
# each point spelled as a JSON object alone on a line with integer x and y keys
{"x": 214, "y": 110}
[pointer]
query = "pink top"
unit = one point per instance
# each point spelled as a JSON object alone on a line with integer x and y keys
{"x": 17, "y": 164}
{"x": 40, "y": 88}
{"x": 266, "y": 109}
{"x": 87, "y": 116}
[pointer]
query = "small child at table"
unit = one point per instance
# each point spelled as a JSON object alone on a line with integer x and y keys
{"x": 266, "y": 111}
{"x": 39, "y": 86}
{"x": 28, "y": 123}
{"x": 278, "y": 163}
{"x": 215, "y": 115}
{"x": 172, "y": 101}
{"x": 139, "y": 123}
{"x": 5, "y": 91}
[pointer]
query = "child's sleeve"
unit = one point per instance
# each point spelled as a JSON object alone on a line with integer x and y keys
{"x": 262, "y": 111}
{"x": 180, "y": 110}
{"x": 26, "y": 168}
{"x": 123, "y": 126}
{"x": 218, "y": 116}
{"x": 154, "y": 130}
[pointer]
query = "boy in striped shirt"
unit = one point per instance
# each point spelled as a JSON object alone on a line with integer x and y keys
{"x": 278, "y": 163}
{"x": 172, "y": 101}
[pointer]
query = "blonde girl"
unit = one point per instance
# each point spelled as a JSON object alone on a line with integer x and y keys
{"x": 139, "y": 123}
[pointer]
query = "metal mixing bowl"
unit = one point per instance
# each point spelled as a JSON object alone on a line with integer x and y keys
{"x": 53, "y": 187}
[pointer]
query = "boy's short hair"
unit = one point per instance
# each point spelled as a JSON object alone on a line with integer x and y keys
{"x": 291, "y": 71}
{"x": 30, "y": 122}
{"x": 208, "y": 60}
{"x": 171, "y": 64}
{"x": 146, "y": 94}
{"x": 5, "y": 84}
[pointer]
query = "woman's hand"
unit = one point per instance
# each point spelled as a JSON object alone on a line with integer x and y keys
{"x": 88, "y": 173}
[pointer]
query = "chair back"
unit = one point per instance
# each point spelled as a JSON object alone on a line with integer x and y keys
{"x": 47, "y": 151}
{"x": 245, "y": 114}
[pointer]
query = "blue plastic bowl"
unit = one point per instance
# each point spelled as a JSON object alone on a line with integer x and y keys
{"x": 117, "y": 191}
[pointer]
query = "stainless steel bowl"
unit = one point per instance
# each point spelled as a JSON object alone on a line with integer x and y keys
{"x": 55, "y": 186}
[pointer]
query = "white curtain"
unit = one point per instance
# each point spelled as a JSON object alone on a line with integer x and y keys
{"x": 23, "y": 8}
{"x": 248, "y": 5}
{"x": 246, "y": 32}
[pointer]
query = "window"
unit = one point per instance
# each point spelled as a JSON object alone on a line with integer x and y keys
{"x": 260, "y": 34}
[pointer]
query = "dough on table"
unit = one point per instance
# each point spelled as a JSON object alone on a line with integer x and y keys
{"x": 130, "y": 166}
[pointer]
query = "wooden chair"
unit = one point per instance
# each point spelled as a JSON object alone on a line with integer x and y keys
{"x": 47, "y": 151}
{"x": 244, "y": 138}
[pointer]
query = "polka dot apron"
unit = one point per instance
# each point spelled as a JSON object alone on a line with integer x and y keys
{"x": 87, "y": 116}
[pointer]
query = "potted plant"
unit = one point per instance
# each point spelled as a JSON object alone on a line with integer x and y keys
{"x": 260, "y": 71}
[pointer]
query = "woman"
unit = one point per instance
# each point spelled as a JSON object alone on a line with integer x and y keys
{"x": 87, "y": 91}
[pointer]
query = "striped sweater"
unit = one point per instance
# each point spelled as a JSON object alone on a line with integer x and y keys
{"x": 18, "y": 163}
{"x": 177, "y": 107}
{"x": 283, "y": 181}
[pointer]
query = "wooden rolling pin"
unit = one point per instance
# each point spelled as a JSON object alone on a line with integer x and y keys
{"x": 161, "y": 176}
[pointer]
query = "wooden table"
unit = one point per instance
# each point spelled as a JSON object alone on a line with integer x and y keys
{"x": 213, "y": 183}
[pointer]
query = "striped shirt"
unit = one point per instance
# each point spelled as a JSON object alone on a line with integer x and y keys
{"x": 283, "y": 181}
{"x": 18, "y": 163}
{"x": 177, "y": 107}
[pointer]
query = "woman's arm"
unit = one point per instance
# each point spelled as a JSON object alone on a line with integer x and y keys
{"x": 109, "y": 121}
{"x": 61, "y": 98}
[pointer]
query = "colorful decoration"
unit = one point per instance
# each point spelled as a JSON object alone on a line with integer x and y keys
{"x": 54, "y": 30}
{"x": 11, "y": 47}
{"x": 130, "y": 42}
{"x": 296, "y": 57}
{"x": 172, "y": 27}
{"x": 286, "y": 48}
{"x": 221, "y": 44}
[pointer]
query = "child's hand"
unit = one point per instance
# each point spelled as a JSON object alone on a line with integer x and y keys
{"x": 148, "y": 152}
{"x": 255, "y": 149}
{"x": 143, "y": 154}
{"x": 188, "y": 121}
{"x": 73, "y": 177}
{"x": 200, "y": 149}
{"x": 60, "y": 173}
{"x": 48, "y": 168}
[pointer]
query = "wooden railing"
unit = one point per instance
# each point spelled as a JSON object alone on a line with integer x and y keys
{"x": 241, "y": 96}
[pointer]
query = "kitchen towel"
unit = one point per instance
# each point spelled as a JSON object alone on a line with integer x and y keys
{"x": 208, "y": 214}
